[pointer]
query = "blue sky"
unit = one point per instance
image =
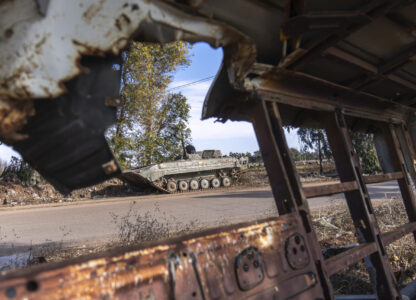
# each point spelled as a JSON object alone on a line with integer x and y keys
{"x": 228, "y": 137}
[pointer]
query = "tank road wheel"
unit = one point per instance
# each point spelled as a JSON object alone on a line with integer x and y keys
{"x": 235, "y": 173}
{"x": 183, "y": 185}
{"x": 171, "y": 186}
{"x": 226, "y": 181}
{"x": 204, "y": 184}
{"x": 215, "y": 183}
{"x": 193, "y": 184}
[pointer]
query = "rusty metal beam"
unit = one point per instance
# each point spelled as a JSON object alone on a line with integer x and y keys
{"x": 352, "y": 59}
{"x": 397, "y": 160}
{"x": 382, "y": 177}
{"x": 376, "y": 72}
{"x": 307, "y": 92}
{"x": 299, "y": 25}
{"x": 407, "y": 26}
{"x": 363, "y": 81}
{"x": 350, "y": 257}
{"x": 399, "y": 60}
{"x": 273, "y": 160}
{"x": 372, "y": 10}
{"x": 410, "y": 101}
{"x": 394, "y": 235}
{"x": 330, "y": 189}
{"x": 408, "y": 150}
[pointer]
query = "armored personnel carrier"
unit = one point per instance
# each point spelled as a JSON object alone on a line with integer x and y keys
{"x": 192, "y": 171}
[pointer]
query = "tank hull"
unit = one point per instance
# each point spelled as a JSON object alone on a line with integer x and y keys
{"x": 164, "y": 176}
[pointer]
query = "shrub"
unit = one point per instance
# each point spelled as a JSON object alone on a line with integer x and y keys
{"x": 20, "y": 168}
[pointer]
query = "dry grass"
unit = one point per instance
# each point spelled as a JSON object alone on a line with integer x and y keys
{"x": 334, "y": 228}
{"x": 135, "y": 226}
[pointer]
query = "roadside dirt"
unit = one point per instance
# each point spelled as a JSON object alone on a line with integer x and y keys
{"x": 16, "y": 194}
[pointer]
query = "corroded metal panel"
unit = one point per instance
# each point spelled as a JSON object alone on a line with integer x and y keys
{"x": 34, "y": 39}
{"x": 266, "y": 260}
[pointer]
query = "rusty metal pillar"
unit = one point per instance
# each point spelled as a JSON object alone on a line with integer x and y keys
{"x": 408, "y": 151}
{"x": 284, "y": 180}
{"x": 359, "y": 205}
{"x": 396, "y": 157}
{"x": 406, "y": 147}
{"x": 411, "y": 128}
{"x": 382, "y": 153}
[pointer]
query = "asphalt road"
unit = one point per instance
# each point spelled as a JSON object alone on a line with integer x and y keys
{"x": 91, "y": 222}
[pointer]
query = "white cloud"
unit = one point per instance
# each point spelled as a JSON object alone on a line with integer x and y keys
{"x": 209, "y": 129}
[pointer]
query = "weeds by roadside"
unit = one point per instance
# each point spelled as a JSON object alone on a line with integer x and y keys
{"x": 24, "y": 256}
{"x": 136, "y": 226}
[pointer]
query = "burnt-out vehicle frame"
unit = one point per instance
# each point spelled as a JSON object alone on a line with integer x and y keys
{"x": 343, "y": 66}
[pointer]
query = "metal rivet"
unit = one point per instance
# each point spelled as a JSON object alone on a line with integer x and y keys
{"x": 245, "y": 267}
{"x": 32, "y": 286}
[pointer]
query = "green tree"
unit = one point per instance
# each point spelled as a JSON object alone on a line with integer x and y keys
{"x": 364, "y": 147}
{"x": 240, "y": 154}
{"x": 257, "y": 157}
{"x": 308, "y": 155}
{"x": 151, "y": 124}
{"x": 295, "y": 154}
{"x": 20, "y": 168}
{"x": 170, "y": 131}
{"x": 315, "y": 139}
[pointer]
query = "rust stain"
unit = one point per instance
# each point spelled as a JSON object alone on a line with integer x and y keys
{"x": 88, "y": 50}
{"x": 123, "y": 19}
{"x": 38, "y": 45}
{"x": 92, "y": 11}
{"x": 8, "y": 32}
{"x": 13, "y": 117}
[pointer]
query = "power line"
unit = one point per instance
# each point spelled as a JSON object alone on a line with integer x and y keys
{"x": 191, "y": 83}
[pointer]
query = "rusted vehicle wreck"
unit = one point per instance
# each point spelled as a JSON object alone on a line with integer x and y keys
{"x": 345, "y": 65}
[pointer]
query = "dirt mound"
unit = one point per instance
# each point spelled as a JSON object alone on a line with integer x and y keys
{"x": 13, "y": 192}
{"x": 254, "y": 178}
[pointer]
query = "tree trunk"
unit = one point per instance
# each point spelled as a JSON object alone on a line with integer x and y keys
{"x": 122, "y": 115}
{"x": 321, "y": 170}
